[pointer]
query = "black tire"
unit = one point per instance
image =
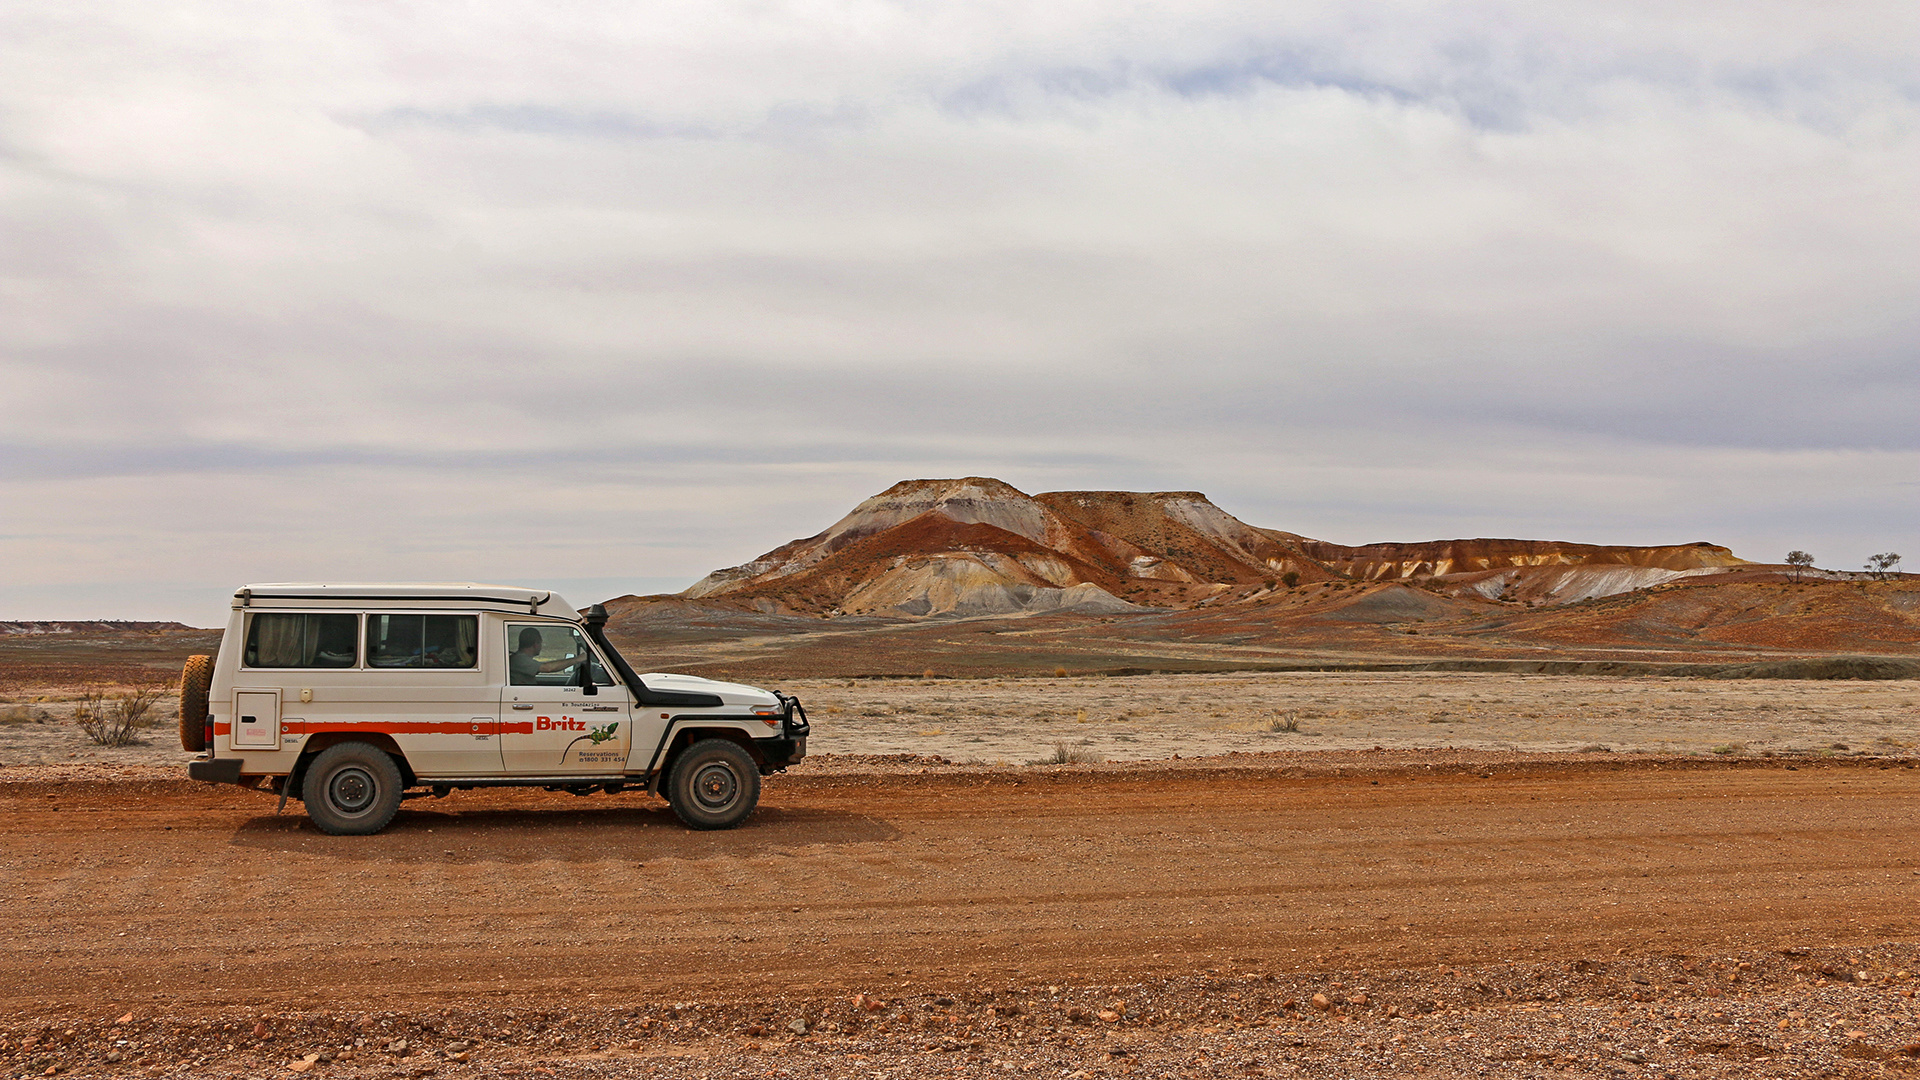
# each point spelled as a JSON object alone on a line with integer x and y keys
{"x": 714, "y": 785}
{"x": 352, "y": 789}
{"x": 195, "y": 679}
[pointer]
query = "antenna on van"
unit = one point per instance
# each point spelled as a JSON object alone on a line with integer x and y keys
{"x": 533, "y": 606}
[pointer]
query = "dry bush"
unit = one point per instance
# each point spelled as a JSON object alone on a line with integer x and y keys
{"x": 1070, "y": 755}
{"x": 1289, "y": 723}
{"x": 115, "y": 720}
{"x": 11, "y": 715}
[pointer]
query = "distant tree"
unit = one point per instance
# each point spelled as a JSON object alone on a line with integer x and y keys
{"x": 1291, "y": 577}
{"x": 1800, "y": 561}
{"x": 1881, "y": 565}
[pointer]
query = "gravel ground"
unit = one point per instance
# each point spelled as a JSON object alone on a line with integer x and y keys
{"x": 1797, "y": 1013}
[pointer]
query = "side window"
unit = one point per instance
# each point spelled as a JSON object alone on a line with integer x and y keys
{"x": 422, "y": 641}
{"x": 547, "y": 654}
{"x": 287, "y": 640}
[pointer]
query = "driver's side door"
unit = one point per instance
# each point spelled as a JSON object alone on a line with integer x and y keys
{"x": 549, "y": 724}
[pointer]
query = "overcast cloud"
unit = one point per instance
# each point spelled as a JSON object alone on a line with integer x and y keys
{"x": 605, "y": 299}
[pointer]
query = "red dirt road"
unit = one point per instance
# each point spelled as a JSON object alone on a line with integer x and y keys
{"x": 195, "y": 899}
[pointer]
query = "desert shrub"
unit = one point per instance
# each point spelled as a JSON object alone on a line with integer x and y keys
{"x": 1288, "y": 723}
{"x": 1291, "y": 578}
{"x": 21, "y": 714}
{"x": 1070, "y": 755}
{"x": 115, "y": 720}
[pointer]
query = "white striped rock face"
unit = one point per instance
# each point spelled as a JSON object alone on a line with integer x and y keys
{"x": 977, "y": 545}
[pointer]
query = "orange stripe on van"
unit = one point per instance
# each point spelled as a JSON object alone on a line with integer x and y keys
{"x": 434, "y": 727}
{"x": 441, "y": 727}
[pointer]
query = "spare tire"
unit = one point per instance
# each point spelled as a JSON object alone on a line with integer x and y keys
{"x": 195, "y": 679}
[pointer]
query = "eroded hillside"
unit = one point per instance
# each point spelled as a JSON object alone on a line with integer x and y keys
{"x": 979, "y": 546}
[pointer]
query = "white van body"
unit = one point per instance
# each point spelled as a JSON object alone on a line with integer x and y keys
{"x": 464, "y": 685}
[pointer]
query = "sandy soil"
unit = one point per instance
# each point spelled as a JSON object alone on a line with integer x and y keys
{"x": 1364, "y": 914}
{"x": 1148, "y": 717}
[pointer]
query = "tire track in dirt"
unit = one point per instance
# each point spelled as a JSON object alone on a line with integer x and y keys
{"x": 204, "y": 901}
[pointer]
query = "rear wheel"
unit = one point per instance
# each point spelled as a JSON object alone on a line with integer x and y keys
{"x": 195, "y": 679}
{"x": 352, "y": 789}
{"x": 714, "y": 785}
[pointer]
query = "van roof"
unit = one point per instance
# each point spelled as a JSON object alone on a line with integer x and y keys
{"x": 426, "y": 593}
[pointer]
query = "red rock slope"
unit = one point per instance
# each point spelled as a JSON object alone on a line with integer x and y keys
{"x": 1533, "y": 571}
{"x": 980, "y": 546}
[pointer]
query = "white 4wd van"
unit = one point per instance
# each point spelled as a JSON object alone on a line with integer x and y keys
{"x": 352, "y": 697}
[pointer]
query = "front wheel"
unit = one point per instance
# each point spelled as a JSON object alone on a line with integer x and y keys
{"x": 714, "y": 785}
{"x": 352, "y": 789}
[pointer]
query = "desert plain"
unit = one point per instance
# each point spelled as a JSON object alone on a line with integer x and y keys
{"x": 1303, "y": 873}
{"x": 1014, "y": 720}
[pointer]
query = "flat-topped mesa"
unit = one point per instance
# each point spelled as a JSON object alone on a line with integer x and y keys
{"x": 91, "y": 627}
{"x": 972, "y": 544}
{"x": 979, "y": 545}
{"x": 1437, "y": 558}
{"x": 976, "y": 545}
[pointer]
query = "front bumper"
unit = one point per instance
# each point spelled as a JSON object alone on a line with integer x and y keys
{"x": 791, "y": 746}
{"x": 215, "y": 770}
{"x": 781, "y": 753}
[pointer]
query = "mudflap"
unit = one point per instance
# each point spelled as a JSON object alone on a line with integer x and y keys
{"x": 215, "y": 770}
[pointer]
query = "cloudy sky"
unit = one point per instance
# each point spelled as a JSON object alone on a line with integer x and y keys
{"x": 562, "y": 294}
